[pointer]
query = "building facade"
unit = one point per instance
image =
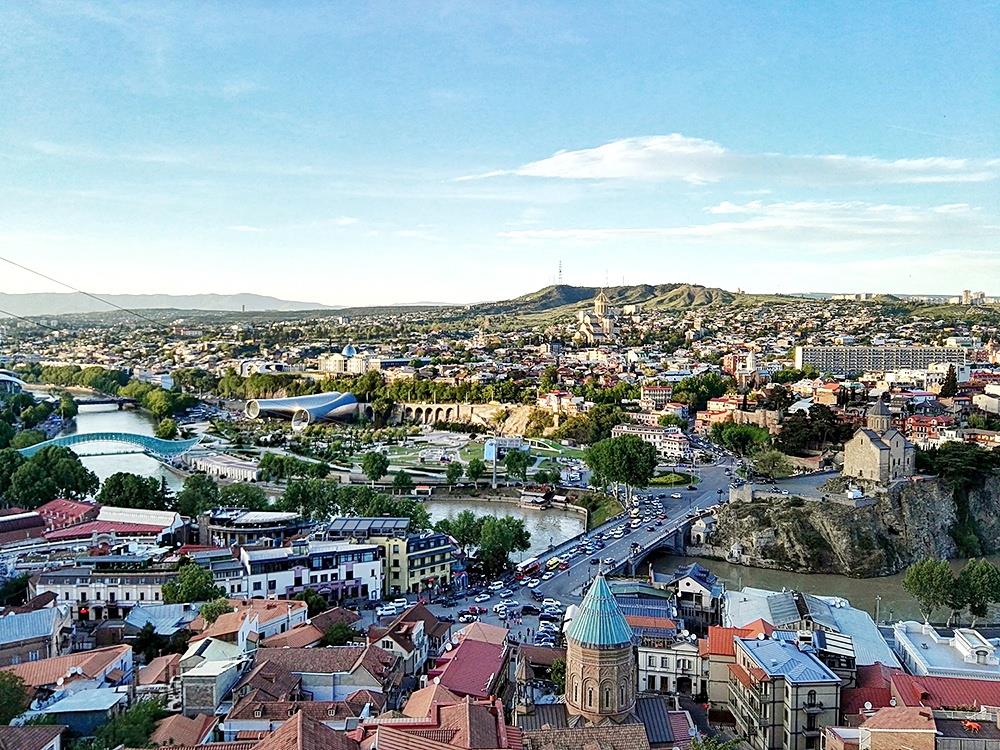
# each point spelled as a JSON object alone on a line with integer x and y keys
{"x": 842, "y": 360}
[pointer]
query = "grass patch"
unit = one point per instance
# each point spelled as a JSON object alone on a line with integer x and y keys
{"x": 672, "y": 479}
{"x": 599, "y": 508}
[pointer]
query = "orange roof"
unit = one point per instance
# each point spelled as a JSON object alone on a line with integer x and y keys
{"x": 901, "y": 717}
{"x": 89, "y": 663}
{"x": 300, "y": 637}
{"x": 642, "y": 621}
{"x": 420, "y": 703}
{"x": 480, "y": 631}
{"x": 267, "y": 610}
{"x": 180, "y": 730}
{"x": 160, "y": 670}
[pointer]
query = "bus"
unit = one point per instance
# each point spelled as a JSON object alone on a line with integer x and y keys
{"x": 529, "y": 568}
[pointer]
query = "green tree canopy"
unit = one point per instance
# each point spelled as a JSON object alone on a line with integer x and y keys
{"x": 199, "y": 494}
{"x": 315, "y": 601}
{"x": 315, "y": 499}
{"x": 126, "y": 490}
{"x": 949, "y": 387}
{"x": 772, "y": 463}
{"x": 193, "y": 584}
{"x": 453, "y": 473}
{"x": 516, "y": 462}
{"x": 475, "y": 469}
{"x": 498, "y": 538}
{"x": 929, "y": 582}
{"x": 27, "y": 438}
{"x": 14, "y": 697}
{"x": 402, "y": 482}
{"x": 243, "y": 495}
{"x": 340, "y": 634}
{"x": 465, "y": 528}
{"x": 627, "y": 460}
{"x": 698, "y": 389}
{"x": 167, "y": 429}
{"x": 375, "y": 465}
{"x": 211, "y": 611}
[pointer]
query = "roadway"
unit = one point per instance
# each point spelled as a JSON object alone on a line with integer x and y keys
{"x": 568, "y": 585}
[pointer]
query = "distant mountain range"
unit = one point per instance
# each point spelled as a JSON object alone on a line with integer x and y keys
{"x": 44, "y": 303}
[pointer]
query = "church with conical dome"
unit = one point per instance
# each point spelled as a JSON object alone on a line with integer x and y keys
{"x": 598, "y": 326}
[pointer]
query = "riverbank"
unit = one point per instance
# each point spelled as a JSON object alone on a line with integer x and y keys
{"x": 884, "y": 596}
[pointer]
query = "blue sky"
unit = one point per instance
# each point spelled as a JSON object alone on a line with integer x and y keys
{"x": 457, "y": 151}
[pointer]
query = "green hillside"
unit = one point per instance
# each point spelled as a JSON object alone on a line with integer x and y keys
{"x": 562, "y": 299}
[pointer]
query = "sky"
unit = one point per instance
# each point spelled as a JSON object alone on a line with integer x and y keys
{"x": 394, "y": 152}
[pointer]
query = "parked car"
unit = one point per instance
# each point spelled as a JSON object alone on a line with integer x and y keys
{"x": 483, "y": 598}
{"x": 595, "y": 560}
{"x": 551, "y": 603}
{"x": 477, "y": 610}
{"x": 530, "y": 609}
{"x": 387, "y": 610}
{"x": 548, "y": 576}
{"x": 533, "y": 582}
{"x": 496, "y": 586}
{"x": 468, "y": 618}
{"x": 675, "y": 495}
{"x": 401, "y": 603}
{"x": 537, "y": 595}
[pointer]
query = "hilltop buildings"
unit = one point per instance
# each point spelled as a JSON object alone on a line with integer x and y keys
{"x": 878, "y": 452}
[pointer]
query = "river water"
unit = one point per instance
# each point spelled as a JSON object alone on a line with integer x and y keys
{"x": 547, "y": 527}
{"x": 861, "y": 592}
{"x": 107, "y": 418}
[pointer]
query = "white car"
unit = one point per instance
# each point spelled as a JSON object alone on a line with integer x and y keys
{"x": 551, "y": 603}
{"x": 533, "y": 582}
{"x": 609, "y": 561}
{"x": 400, "y": 603}
{"x": 675, "y": 495}
{"x": 387, "y": 610}
{"x": 548, "y": 576}
{"x": 482, "y": 598}
{"x": 496, "y": 586}
{"x": 500, "y": 609}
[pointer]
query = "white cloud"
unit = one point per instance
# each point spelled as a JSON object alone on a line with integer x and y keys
{"x": 817, "y": 225}
{"x": 246, "y": 228}
{"x": 700, "y": 161}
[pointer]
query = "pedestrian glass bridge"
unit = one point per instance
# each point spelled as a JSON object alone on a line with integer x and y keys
{"x": 154, "y": 446}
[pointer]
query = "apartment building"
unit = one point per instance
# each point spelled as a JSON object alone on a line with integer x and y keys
{"x": 841, "y": 360}
{"x": 412, "y": 562}
{"x": 107, "y": 587}
{"x": 670, "y": 442}
{"x": 781, "y": 697}
{"x": 230, "y": 527}
{"x": 656, "y": 397}
{"x": 337, "y": 570}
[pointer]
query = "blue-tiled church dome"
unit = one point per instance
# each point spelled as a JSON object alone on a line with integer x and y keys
{"x": 599, "y": 622}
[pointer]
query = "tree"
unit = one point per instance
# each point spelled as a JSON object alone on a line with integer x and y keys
{"x": 14, "y": 591}
{"x": 315, "y": 601}
{"x": 772, "y": 463}
{"x": 672, "y": 420}
{"x": 627, "y": 460}
{"x": 14, "y": 697}
{"x": 315, "y": 499}
{"x": 741, "y": 439}
{"x": 148, "y": 643}
{"x": 453, "y": 473}
{"x": 167, "y": 429}
{"x": 340, "y": 634}
{"x": 27, "y": 438}
{"x": 498, "y": 538}
{"x": 199, "y": 494}
{"x": 980, "y": 580}
{"x": 698, "y": 389}
{"x": 131, "y": 728}
{"x": 402, "y": 483}
{"x": 465, "y": 529}
{"x": 193, "y": 584}
{"x": 557, "y": 673}
{"x": 929, "y": 582}
{"x": 67, "y": 406}
{"x": 715, "y": 743}
{"x": 375, "y": 465}
{"x": 475, "y": 470}
{"x": 243, "y": 495}
{"x": 949, "y": 388}
{"x": 10, "y": 462}
{"x": 7, "y": 432}
{"x": 516, "y": 462}
{"x": 211, "y": 611}
{"x": 126, "y": 490}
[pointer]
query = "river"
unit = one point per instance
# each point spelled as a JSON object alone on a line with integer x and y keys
{"x": 107, "y": 418}
{"x": 547, "y": 527}
{"x": 861, "y": 592}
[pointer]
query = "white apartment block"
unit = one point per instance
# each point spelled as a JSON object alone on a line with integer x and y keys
{"x": 670, "y": 442}
{"x": 841, "y": 360}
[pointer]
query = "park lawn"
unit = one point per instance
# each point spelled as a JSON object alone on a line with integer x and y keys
{"x": 599, "y": 507}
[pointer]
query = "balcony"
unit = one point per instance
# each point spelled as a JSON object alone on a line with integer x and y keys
{"x": 811, "y": 731}
{"x": 813, "y": 708}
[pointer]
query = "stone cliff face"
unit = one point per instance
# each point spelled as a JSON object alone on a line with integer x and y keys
{"x": 906, "y": 523}
{"x": 984, "y": 512}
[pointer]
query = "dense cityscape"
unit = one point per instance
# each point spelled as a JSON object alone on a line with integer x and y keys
{"x": 534, "y": 375}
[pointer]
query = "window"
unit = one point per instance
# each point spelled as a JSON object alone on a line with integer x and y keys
{"x": 651, "y": 661}
{"x": 621, "y": 694}
{"x": 811, "y": 698}
{"x": 256, "y": 585}
{"x": 607, "y": 698}
{"x": 142, "y": 596}
{"x": 33, "y": 656}
{"x": 664, "y": 662}
{"x": 590, "y": 697}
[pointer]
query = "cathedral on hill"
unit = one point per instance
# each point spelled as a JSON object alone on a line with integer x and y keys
{"x": 599, "y": 326}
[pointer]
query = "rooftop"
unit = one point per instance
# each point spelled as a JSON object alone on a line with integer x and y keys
{"x": 599, "y": 622}
{"x": 784, "y": 660}
{"x": 100, "y": 699}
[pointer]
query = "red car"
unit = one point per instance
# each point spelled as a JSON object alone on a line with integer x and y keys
{"x": 477, "y": 610}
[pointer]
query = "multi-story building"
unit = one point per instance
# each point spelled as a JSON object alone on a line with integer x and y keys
{"x": 412, "y": 562}
{"x": 655, "y": 397}
{"x": 964, "y": 653}
{"x": 107, "y": 587}
{"x": 670, "y": 442}
{"x": 230, "y": 527}
{"x": 699, "y": 594}
{"x": 30, "y": 636}
{"x": 781, "y": 697}
{"x": 337, "y": 570}
{"x": 841, "y": 360}
{"x": 224, "y": 466}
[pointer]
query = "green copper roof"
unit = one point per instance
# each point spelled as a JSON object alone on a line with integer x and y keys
{"x": 599, "y": 623}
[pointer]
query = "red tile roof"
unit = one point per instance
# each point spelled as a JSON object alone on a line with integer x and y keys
{"x": 471, "y": 668}
{"x": 90, "y": 664}
{"x": 88, "y": 528}
{"x": 944, "y": 692}
{"x": 181, "y": 730}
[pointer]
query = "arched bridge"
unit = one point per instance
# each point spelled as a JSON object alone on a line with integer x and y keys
{"x": 154, "y": 446}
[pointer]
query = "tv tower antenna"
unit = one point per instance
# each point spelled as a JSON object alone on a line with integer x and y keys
{"x": 559, "y": 275}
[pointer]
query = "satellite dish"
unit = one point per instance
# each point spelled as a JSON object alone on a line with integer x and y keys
{"x": 437, "y": 680}
{"x": 892, "y": 702}
{"x": 868, "y": 705}
{"x": 685, "y": 633}
{"x": 448, "y": 647}
{"x": 761, "y": 637}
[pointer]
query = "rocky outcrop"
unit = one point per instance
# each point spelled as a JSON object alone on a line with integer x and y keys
{"x": 907, "y": 522}
{"x": 984, "y": 513}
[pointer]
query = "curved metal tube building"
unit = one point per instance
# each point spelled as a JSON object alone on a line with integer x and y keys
{"x": 304, "y": 410}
